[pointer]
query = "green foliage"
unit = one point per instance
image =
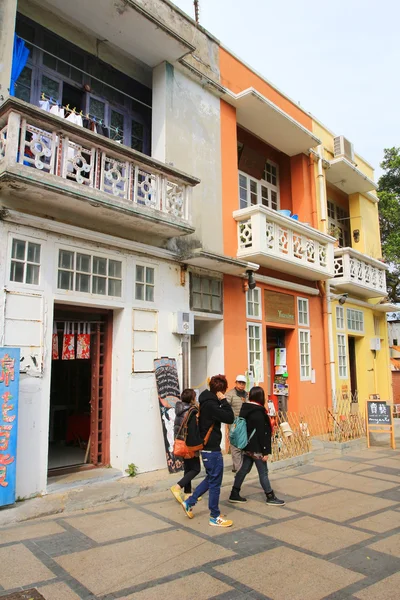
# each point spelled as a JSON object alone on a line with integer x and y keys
{"x": 132, "y": 470}
{"x": 389, "y": 218}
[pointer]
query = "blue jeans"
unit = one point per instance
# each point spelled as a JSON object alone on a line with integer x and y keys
{"x": 214, "y": 467}
{"x": 245, "y": 469}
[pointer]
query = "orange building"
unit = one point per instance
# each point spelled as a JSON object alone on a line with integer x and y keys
{"x": 276, "y": 331}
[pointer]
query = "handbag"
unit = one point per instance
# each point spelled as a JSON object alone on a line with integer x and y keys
{"x": 181, "y": 449}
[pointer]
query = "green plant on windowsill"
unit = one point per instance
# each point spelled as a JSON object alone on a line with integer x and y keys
{"x": 334, "y": 231}
{"x": 132, "y": 470}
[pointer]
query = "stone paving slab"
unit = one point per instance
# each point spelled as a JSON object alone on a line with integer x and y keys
{"x": 337, "y": 538}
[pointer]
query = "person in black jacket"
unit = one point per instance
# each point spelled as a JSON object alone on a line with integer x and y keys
{"x": 259, "y": 434}
{"x": 214, "y": 410}
{"x": 187, "y": 408}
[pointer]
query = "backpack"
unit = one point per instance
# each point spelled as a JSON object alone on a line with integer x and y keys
{"x": 180, "y": 447}
{"x": 238, "y": 433}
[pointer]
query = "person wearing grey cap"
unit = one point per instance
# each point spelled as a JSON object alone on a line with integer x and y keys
{"x": 236, "y": 397}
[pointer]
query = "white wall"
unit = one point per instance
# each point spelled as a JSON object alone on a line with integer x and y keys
{"x": 186, "y": 133}
{"x": 136, "y": 432}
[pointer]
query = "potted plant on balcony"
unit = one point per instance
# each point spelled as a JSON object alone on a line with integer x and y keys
{"x": 335, "y": 232}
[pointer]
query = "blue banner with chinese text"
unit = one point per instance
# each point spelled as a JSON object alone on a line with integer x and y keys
{"x": 9, "y": 389}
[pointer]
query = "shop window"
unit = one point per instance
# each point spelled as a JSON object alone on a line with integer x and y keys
{"x": 145, "y": 340}
{"x": 90, "y": 274}
{"x": 144, "y": 283}
{"x": 25, "y": 262}
{"x": 339, "y": 317}
{"x": 265, "y": 191}
{"x": 355, "y": 320}
{"x": 303, "y": 312}
{"x": 305, "y": 354}
{"x": 342, "y": 355}
{"x": 253, "y": 298}
{"x": 206, "y": 294}
{"x": 254, "y": 346}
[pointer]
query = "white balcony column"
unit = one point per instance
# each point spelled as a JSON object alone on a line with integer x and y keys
{"x": 258, "y": 230}
{"x": 8, "y": 12}
{"x": 346, "y": 264}
{"x": 12, "y": 142}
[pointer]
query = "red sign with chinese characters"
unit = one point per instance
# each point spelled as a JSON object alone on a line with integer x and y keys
{"x": 9, "y": 388}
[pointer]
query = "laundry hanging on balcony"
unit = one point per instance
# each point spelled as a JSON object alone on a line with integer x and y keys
{"x": 83, "y": 341}
{"x": 19, "y": 60}
{"x": 68, "y": 351}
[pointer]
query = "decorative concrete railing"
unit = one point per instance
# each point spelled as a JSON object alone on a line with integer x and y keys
{"x": 358, "y": 273}
{"x": 277, "y": 241}
{"x": 38, "y": 140}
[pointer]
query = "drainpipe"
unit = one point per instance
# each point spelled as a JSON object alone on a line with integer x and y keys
{"x": 325, "y": 291}
{"x": 322, "y": 188}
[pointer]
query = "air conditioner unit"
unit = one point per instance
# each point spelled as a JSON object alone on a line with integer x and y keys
{"x": 343, "y": 148}
{"x": 375, "y": 343}
{"x": 184, "y": 323}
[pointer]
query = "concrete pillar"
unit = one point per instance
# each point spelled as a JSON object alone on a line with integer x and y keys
{"x": 159, "y": 113}
{"x": 8, "y": 11}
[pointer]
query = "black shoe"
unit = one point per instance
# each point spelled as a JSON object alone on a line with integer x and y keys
{"x": 235, "y": 497}
{"x": 272, "y": 499}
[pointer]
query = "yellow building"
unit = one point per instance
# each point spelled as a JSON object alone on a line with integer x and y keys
{"x": 356, "y": 303}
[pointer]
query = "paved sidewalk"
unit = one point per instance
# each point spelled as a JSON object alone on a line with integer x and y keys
{"x": 337, "y": 538}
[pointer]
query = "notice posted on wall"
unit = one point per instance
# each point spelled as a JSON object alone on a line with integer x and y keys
{"x": 9, "y": 389}
{"x": 168, "y": 394}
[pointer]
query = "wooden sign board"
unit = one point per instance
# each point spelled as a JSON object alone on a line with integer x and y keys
{"x": 168, "y": 394}
{"x": 279, "y": 308}
{"x": 379, "y": 420}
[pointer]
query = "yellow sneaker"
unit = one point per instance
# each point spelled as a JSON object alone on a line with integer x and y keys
{"x": 176, "y": 492}
{"x": 220, "y": 522}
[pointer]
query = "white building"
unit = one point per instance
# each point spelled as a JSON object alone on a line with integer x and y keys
{"x": 110, "y": 222}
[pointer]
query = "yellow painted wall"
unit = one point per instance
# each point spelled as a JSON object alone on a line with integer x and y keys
{"x": 373, "y": 374}
{"x": 363, "y": 211}
{"x": 364, "y": 216}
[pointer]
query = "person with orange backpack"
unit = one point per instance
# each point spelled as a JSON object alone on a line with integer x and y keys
{"x": 186, "y": 412}
{"x": 214, "y": 410}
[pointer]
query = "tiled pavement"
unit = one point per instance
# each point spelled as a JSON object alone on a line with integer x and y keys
{"x": 337, "y": 538}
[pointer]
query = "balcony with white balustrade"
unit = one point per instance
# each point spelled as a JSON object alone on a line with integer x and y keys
{"x": 356, "y": 273}
{"x": 283, "y": 244}
{"x": 51, "y": 167}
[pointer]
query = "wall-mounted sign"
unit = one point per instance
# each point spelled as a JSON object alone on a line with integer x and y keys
{"x": 9, "y": 388}
{"x": 279, "y": 308}
{"x": 280, "y": 357}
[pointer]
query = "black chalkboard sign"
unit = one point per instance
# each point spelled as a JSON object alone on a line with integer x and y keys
{"x": 168, "y": 394}
{"x": 379, "y": 413}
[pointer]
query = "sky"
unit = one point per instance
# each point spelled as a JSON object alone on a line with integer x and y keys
{"x": 339, "y": 60}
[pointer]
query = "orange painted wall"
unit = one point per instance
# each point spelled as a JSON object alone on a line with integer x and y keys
{"x": 282, "y": 160}
{"x": 237, "y": 77}
{"x": 338, "y": 197}
{"x": 303, "y": 193}
{"x": 302, "y": 394}
{"x": 297, "y": 192}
